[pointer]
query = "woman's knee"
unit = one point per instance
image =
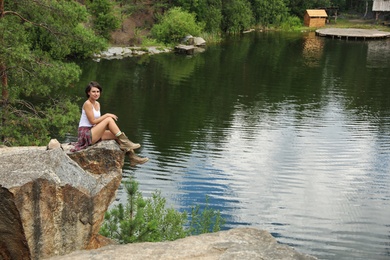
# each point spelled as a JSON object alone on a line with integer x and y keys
{"x": 109, "y": 120}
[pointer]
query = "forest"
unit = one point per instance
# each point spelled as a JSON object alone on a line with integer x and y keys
{"x": 42, "y": 39}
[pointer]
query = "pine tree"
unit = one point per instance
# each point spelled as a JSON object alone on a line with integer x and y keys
{"x": 37, "y": 41}
{"x": 150, "y": 220}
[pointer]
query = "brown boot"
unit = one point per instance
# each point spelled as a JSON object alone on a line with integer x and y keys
{"x": 135, "y": 159}
{"x": 125, "y": 144}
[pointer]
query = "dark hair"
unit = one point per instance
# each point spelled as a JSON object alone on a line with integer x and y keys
{"x": 90, "y": 85}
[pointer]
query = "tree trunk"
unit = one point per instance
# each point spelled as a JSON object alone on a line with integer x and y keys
{"x": 1, "y": 9}
{"x": 365, "y": 14}
{"x": 4, "y": 82}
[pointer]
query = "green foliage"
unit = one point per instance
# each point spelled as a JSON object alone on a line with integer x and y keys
{"x": 237, "y": 16}
{"x": 148, "y": 220}
{"x": 34, "y": 68}
{"x": 86, "y": 43}
{"x": 209, "y": 220}
{"x": 208, "y": 12}
{"x": 143, "y": 220}
{"x": 234, "y": 15}
{"x": 292, "y": 23}
{"x": 269, "y": 12}
{"x": 211, "y": 37}
{"x": 174, "y": 25}
{"x": 167, "y": 222}
{"x": 298, "y": 7}
{"x": 212, "y": 18}
{"x": 104, "y": 19}
{"x": 30, "y": 124}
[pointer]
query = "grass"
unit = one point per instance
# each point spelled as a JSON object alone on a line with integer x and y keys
{"x": 358, "y": 23}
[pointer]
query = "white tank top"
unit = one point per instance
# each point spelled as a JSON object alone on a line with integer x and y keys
{"x": 84, "y": 119}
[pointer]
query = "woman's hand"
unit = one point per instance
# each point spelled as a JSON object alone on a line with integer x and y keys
{"x": 111, "y": 115}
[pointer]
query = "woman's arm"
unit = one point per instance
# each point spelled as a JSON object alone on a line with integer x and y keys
{"x": 88, "y": 107}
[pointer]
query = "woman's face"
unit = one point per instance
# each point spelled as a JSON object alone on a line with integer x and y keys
{"x": 94, "y": 93}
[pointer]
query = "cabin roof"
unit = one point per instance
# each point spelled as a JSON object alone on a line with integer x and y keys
{"x": 381, "y": 5}
{"x": 316, "y": 13}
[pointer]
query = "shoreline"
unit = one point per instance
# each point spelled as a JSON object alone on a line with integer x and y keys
{"x": 117, "y": 52}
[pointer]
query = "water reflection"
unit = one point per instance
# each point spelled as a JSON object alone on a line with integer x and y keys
{"x": 284, "y": 132}
{"x": 312, "y": 49}
{"x": 377, "y": 52}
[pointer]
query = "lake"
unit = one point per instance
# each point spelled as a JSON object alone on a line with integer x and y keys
{"x": 286, "y": 132}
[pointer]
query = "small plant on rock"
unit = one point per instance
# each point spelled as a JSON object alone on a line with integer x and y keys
{"x": 149, "y": 220}
{"x": 205, "y": 221}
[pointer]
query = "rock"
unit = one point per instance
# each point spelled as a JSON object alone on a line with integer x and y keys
{"x": 50, "y": 207}
{"x": 13, "y": 243}
{"x": 239, "y": 243}
{"x": 196, "y": 41}
{"x": 199, "y": 41}
{"x": 249, "y": 31}
{"x": 53, "y": 144}
{"x": 188, "y": 40}
{"x": 123, "y": 52}
{"x": 102, "y": 158}
{"x": 50, "y": 202}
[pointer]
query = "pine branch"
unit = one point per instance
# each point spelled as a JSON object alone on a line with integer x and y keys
{"x": 31, "y": 22}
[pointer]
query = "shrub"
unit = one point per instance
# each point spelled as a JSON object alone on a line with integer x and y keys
{"x": 206, "y": 221}
{"x": 292, "y": 23}
{"x": 148, "y": 220}
{"x": 174, "y": 25}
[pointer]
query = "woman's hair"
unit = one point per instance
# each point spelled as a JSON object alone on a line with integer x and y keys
{"x": 92, "y": 84}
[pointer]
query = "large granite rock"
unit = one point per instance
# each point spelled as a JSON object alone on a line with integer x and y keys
{"x": 239, "y": 243}
{"x": 50, "y": 203}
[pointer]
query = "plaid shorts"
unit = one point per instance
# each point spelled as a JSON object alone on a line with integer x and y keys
{"x": 84, "y": 139}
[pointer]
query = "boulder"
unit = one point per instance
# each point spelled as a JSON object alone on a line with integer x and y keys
{"x": 13, "y": 243}
{"x": 238, "y": 243}
{"x": 52, "y": 204}
{"x": 199, "y": 41}
{"x": 49, "y": 204}
{"x": 195, "y": 41}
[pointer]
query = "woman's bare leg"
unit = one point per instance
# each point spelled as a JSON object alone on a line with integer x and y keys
{"x": 107, "y": 135}
{"x": 99, "y": 130}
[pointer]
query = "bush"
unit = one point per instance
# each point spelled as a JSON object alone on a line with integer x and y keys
{"x": 148, "y": 220}
{"x": 174, "y": 25}
{"x": 206, "y": 221}
{"x": 292, "y": 23}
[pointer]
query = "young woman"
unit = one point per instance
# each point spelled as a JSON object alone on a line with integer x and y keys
{"x": 94, "y": 127}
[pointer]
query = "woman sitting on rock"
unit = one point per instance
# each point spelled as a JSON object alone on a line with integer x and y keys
{"x": 94, "y": 127}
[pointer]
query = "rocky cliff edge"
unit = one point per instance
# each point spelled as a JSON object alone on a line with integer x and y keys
{"x": 52, "y": 204}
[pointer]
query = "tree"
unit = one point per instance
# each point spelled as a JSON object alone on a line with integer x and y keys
{"x": 142, "y": 220}
{"x": 37, "y": 40}
{"x": 208, "y": 12}
{"x": 212, "y": 16}
{"x": 149, "y": 220}
{"x": 269, "y": 12}
{"x": 237, "y": 16}
{"x": 104, "y": 20}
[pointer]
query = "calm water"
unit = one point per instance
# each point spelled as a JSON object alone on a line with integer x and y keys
{"x": 285, "y": 132}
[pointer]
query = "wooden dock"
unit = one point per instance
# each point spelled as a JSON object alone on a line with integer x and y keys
{"x": 352, "y": 34}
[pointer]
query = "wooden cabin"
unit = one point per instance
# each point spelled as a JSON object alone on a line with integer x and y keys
{"x": 315, "y": 18}
{"x": 380, "y": 6}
